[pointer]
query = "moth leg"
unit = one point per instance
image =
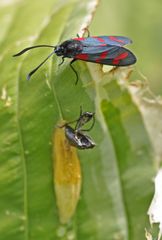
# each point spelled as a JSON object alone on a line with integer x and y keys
{"x": 87, "y": 30}
{"x": 77, "y": 78}
{"x": 77, "y": 121}
{"x": 88, "y": 129}
{"x": 61, "y": 61}
{"x": 63, "y": 125}
{"x": 85, "y": 130}
{"x": 81, "y": 110}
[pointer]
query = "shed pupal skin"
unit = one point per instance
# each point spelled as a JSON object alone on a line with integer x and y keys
{"x": 67, "y": 176}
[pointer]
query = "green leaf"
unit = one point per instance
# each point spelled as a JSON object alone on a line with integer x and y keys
{"x": 116, "y": 174}
{"x": 132, "y": 156}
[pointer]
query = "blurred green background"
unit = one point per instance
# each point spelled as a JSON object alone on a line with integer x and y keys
{"x": 142, "y": 22}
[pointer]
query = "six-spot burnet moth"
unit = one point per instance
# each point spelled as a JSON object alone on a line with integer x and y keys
{"x": 106, "y": 50}
{"x": 75, "y": 135}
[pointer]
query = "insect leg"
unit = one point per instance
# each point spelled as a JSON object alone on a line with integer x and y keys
{"x": 82, "y": 120}
{"x": 81, "y": 110}
{"x": 87, "y": 30}
{"x": 61, "y": 61}
{"x": 87, "y": 130}
{"x": 74, "y": 70}
{"x": 76, "y": 120}
{"x": 67, "y": 123}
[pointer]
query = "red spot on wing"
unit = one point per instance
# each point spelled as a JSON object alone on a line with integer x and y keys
{"x": 79, "y": 39}
{"x": 99, "y": 39}
{"x": 115, "y": 39}
{"x": 102, "y": 56}
{"x": 102, "y": 45}
{"x": 120, "y": 57}
{"x": 82, "y": 56}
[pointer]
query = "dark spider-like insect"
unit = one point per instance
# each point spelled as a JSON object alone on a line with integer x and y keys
{"x": 75, "y": 135}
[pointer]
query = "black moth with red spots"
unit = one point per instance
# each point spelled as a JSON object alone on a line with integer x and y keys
{"x": 106, "y": 50}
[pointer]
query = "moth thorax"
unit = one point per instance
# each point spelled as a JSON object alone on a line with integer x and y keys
{"x": 71, "y": 48}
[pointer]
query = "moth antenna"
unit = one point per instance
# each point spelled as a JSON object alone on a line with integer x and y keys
{"x": 29, "y": 48}
{"x": 35, "y": 69}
